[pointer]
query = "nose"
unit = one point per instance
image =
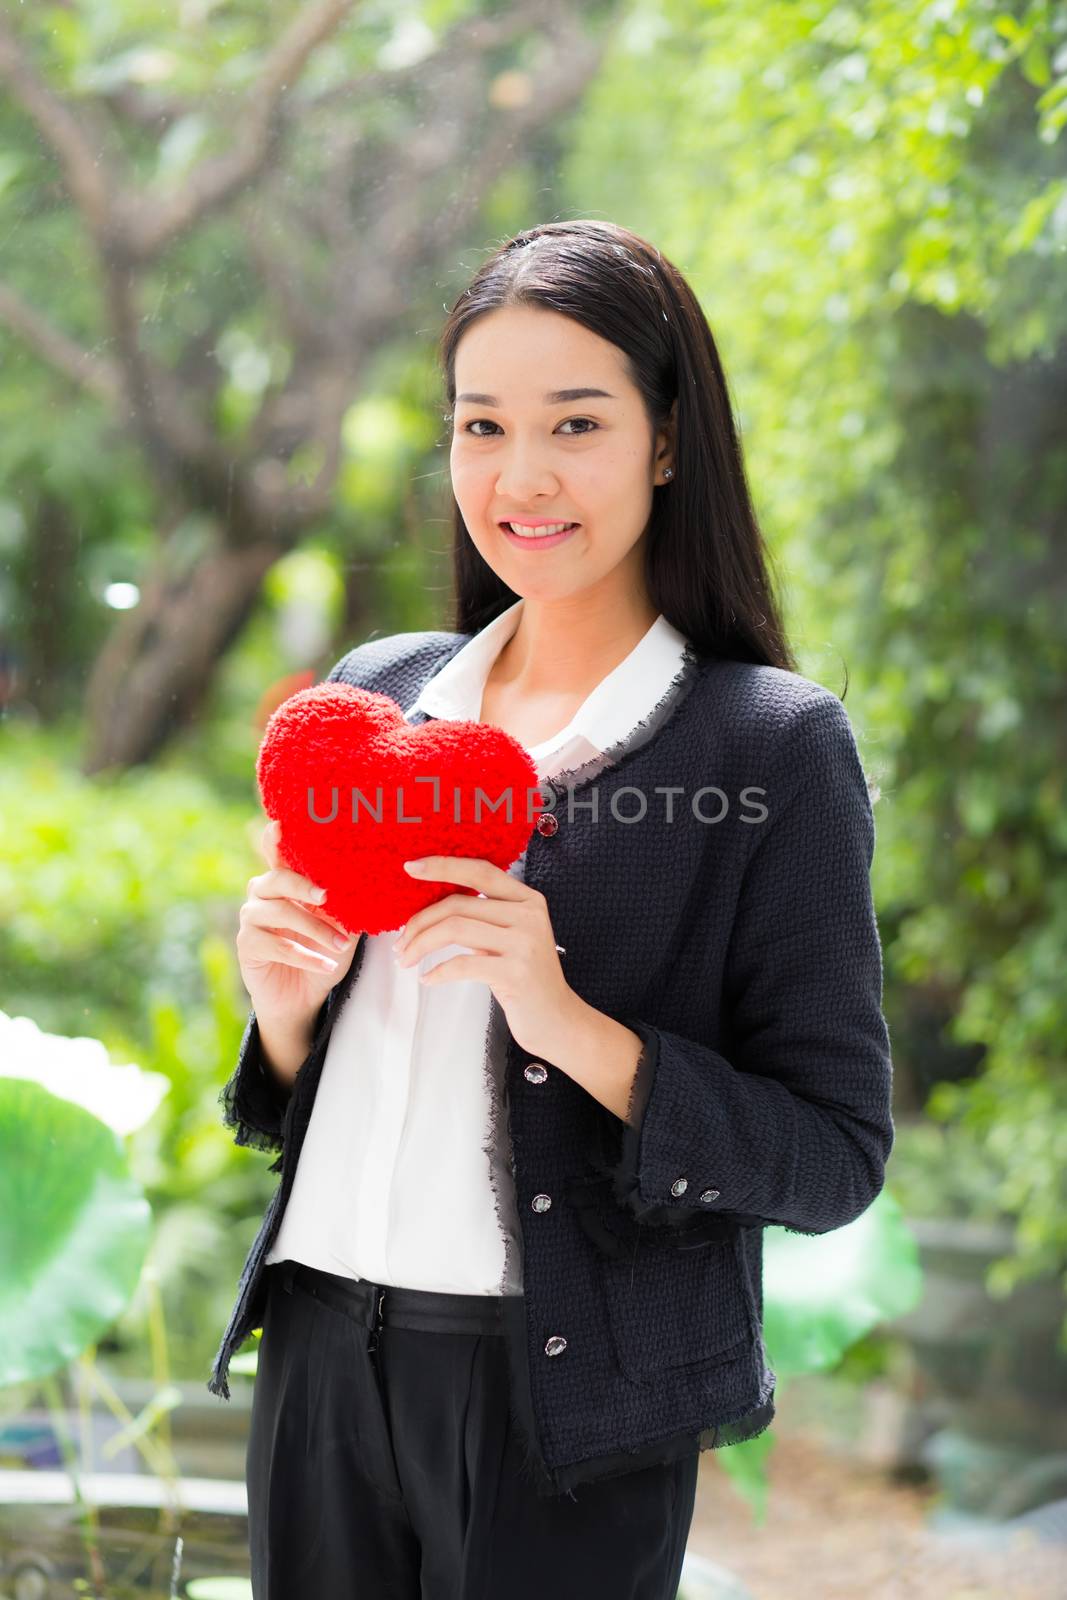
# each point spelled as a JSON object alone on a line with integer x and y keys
{"x": 521, "y": 481}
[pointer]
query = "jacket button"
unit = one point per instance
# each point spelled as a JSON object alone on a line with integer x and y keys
{"x": 541, "y": 1202}
{"x": 536, "y": 1072}
{"x": 547, "y": 824}
{"x": 710, "y": 1194}
{"x": 556, "y": 1345}
{"x": 679, "y": 1186}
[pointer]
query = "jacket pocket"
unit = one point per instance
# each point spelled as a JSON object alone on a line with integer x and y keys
{"x": 676, "y": 1297}
{"x": 671, "y": 1310}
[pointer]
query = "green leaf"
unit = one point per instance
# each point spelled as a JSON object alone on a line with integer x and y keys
{"x": 74, "y": 1231}
{"x": 823, "y": 1292}
{"x": 745, "y": 1465}
{"x": 1034, "y": 64}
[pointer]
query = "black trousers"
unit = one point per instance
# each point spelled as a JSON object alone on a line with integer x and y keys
{"x": 382, "y": 1464}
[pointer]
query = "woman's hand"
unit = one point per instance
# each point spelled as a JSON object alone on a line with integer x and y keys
{"x": 288, "y": 977}
{"x": 510, "y": 930}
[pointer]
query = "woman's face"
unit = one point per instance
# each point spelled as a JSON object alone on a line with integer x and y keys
{"x": 518, "y": 453}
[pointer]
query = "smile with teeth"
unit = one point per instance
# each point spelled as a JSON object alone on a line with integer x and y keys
{"x": 539, "y": 533}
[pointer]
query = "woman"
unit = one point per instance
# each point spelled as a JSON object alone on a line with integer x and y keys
{"x": 510, "y": 1284}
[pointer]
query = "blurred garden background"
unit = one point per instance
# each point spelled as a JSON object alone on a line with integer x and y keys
{"x": 228, "y": 236}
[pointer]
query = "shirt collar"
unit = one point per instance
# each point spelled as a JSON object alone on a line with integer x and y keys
{"x": 608, "y": 714}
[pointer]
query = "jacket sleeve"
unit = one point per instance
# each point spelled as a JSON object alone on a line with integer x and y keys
{"x": 253, "y": 1102}
{"x": 795, "y": 1128}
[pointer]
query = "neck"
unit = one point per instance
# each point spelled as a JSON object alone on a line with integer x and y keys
{"x": 571, "y": 644}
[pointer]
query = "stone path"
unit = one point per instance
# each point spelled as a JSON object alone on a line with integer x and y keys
{"x": 838, "y": 1530}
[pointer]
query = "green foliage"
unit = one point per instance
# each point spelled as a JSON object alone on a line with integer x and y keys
{"x": 107, "y": 888}
{"x": 825, "y": 1292}
{"x": 118, "y": 902}
{"x": 944, "y": 1173}
{"x": 822, "y": 1298}
{"x": 994, "y": 1150}
{"x": 74, "y": 1230}
{"x": 208, "y": 1197}
{"x": 203, "y": 314}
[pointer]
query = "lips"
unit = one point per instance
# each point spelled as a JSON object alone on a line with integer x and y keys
{"x": 535, "y": 527}
{"x": 538, "y": 541}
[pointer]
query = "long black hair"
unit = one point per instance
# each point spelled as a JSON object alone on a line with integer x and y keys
{"x": 706, "y": 564}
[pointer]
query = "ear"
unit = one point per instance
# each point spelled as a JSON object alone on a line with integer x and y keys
{"x": 666, "y": 441}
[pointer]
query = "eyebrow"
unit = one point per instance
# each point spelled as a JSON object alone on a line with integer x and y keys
{"x": 556, "y": 397}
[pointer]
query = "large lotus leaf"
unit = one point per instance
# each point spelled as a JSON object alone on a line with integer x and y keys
{"x": 824, "y": 1291}
{"x": 74, "y": 1230}
{"x": 81, "y": 1070}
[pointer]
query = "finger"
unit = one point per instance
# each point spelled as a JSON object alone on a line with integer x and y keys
{"x": 472, "y": 870}
{"x": 275, "y": 914}
{"x": 326, "y": 924}
{"x": 474, "y": 968}
{"x": 268, "y": 843}
{"x": 488, "y": 938}
{"x": 332, "y": 922}
{"x": 261, "y": 944}
{"x": 486, "y": 909}
{"x": 283, "y": 881}
{"x": 271, "y": 845}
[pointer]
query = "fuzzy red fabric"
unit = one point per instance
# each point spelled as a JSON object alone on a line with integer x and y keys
{"x": 325, "y": 742}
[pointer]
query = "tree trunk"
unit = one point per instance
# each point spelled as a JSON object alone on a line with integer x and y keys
{"x": 321, "y": 203}
{"x": 48, "y": 634}
{"x": 155, "y": 670}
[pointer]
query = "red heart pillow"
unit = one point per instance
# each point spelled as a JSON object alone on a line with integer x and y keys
{"x": 339, "y": 769}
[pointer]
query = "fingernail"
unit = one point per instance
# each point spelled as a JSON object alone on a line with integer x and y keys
{"x": 318, "y": 895}
{"x": 338, "y": 942}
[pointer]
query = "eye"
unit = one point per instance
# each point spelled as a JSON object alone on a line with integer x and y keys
{"x": 468, "y": 426}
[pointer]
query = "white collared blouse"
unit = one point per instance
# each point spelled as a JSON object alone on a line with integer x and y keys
{"x": 402, "y": 1177}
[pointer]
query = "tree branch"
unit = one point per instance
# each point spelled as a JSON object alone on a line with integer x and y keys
{"x": 260, "y": 122}
{"x": 95, "y": 374}
{"x": 412, "y": 222}
{"x": 398, "y": 229}
{"x": 87, "y": 173}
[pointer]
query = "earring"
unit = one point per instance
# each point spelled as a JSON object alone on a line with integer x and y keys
{"x": 668, "y": 472}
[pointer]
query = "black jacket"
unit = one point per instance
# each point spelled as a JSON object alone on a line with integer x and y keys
{"x": 732, "y": 928}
